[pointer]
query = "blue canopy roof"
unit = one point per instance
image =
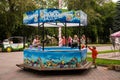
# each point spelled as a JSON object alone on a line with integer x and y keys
{"x": 54, "y": 18}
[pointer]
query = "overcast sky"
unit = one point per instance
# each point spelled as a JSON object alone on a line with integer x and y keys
{"x": 114, "y": 0}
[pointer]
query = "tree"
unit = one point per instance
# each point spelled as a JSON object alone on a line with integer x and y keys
{"x": 116, "y": 24}
{"x": 11, "y": 12}
{"x": 89, "y": 7}
{"x": 46, "y": 3}
{"x": 100, "y": 16}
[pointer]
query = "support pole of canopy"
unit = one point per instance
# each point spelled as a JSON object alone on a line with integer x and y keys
{"x": 60, "y": 40}
{"x": 85, "y": 36}
{"x": 39, "y": 28}
{"x": 79, "y": 37}
{"x": 38, "y": 22}
{"x": 59, "y": 29}
{"x": 65, "y": 34}
{"x": 43, "y": 37}
{"x": 81, "y": 57}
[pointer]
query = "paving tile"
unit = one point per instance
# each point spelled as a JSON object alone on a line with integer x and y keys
{"x": 9, "y": 71}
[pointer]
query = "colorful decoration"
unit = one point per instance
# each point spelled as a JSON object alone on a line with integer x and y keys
{"x": 59, "y": 57}
{"x": 60, "y": 39}
{"x": 54, "y": 15}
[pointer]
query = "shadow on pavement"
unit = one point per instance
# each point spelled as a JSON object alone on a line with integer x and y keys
{"x": 53, "y": 73}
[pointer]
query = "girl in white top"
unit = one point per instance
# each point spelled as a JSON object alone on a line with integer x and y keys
{"x": 36, "y": 41}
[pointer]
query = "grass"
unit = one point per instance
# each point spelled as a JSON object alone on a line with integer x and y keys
{"x": 97, "y": 45}
{"x": 105, "y": 62}
{"x": 107, "y": 51}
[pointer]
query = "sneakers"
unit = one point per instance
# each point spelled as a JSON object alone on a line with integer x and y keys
{"x": 94, "y": 66}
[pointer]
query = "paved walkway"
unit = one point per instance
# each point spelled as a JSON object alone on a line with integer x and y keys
{"x": 103, "y": 48}
{"x": 113, "y": 56}
{"x": 9, "y": 71}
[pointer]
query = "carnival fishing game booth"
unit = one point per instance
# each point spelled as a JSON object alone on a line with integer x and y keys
{"x": 54, "y": 57}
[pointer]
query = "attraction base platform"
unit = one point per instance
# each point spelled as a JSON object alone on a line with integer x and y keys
{"x": 87, "y": 65}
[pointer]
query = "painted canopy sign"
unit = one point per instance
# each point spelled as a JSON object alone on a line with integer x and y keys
{"x": 54, "y": 15}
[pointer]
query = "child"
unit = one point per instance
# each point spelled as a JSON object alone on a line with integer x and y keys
{"x": 63, "y": 41}
{"x": 94, "y": 55}
{"x": 75, "y": 41}
{"x": 69, "y": 41}
{"x": 36, "y": 41}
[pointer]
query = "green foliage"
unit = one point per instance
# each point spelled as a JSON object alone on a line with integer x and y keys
{"x": 107, "y": 12}
{"x": 116, "y": 26}
{"x": 46, "y": 3}
{"x": 11, "y": 12}
{"x": 100, "y": 17}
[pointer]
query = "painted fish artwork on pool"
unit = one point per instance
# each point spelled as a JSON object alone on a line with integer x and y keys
{"x": 54, "y": 58}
